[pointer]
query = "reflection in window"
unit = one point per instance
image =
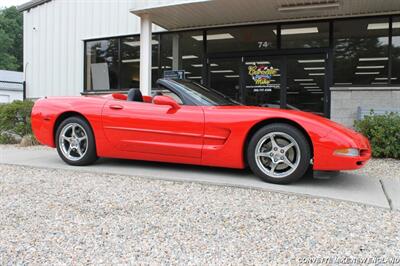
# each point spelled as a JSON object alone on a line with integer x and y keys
{"x": 250, "y": 38}
{"x": 130, "y": 62}
{"x": 395, "y": 51}
{"x": 224, "y": 77}
{"x": 361, "y": 52}
{"x": 102, "y": 64}
{"x": 306, "y": 82}
{"x": 130, "y": 59}
{"x": 308, "y": 35}
{"x": 180, "y": 51}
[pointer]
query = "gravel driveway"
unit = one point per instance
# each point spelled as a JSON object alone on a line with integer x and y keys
{"x": 67, "y": 217}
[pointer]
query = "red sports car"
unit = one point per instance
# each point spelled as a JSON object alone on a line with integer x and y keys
{"x": 185, "y": 122}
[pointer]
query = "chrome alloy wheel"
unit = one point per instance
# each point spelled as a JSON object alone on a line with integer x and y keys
{"x": 73, "y": 141}
{"x": 277, "y": 154}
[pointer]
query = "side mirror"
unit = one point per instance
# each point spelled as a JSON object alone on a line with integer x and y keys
{"x": 165, "y": 100}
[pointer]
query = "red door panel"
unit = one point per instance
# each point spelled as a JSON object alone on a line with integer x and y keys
{"x": 157, "y": 129}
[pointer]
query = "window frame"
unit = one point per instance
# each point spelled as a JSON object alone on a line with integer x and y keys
{"x": 278, "y": 50}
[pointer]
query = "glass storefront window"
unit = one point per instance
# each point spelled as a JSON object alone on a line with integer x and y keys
{"x": 102, "y": 64}
{"x": 395, "y": 51}
{"x": 307, "y": 35}
{"x": 305, "y": 83}
{"x": 263, "y": 81}
{"x": 361, "y": 51}
{"x": 180, "y": 51}
{"x": 225, "y": 77}
{"x": 130, "y": 62}
{"x": 249, "y": 38}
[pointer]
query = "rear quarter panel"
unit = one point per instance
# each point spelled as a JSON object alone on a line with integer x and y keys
{"x": 47, "y": 112}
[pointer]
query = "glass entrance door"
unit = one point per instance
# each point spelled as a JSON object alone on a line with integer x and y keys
{"x": 262, "y": 81}
{"x": 306, "y": 76}
{"x": 296, "y": 82}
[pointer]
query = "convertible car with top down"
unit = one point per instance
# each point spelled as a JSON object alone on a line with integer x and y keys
{"x": 185, "y": 122}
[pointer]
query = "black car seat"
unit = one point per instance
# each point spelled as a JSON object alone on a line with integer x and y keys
{"x": 135, "y": 95}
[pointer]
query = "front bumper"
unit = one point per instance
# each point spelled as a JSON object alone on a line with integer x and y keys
{"x": 325, "y": 158}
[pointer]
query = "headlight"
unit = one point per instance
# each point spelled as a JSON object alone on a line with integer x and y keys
{"x": 348, "y": 152}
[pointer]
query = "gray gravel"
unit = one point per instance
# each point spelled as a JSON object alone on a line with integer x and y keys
{"x": 66, "y": 217}
{"x": 381, "y": 168}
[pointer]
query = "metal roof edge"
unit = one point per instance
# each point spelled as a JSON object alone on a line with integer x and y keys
{"x": 31, "y": 4}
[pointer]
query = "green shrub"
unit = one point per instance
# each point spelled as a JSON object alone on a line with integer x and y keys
{"x": 15, "y": 119}
{"x": 383, "y": 132}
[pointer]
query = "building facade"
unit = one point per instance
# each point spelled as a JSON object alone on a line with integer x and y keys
{"x": 327, "y": 57}
{"x": 11, "y": 86}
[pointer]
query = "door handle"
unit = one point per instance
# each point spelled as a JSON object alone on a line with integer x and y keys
{"x": 116, "y": 107}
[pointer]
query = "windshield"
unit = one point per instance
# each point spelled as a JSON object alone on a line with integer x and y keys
{"x": 205, "y": 96}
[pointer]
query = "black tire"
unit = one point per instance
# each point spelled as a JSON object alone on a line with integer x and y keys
{"x": 303, "y": 147}
{"x": 90, "y": 155}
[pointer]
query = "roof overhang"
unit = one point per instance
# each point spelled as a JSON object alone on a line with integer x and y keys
{"x": 214, "y": 13}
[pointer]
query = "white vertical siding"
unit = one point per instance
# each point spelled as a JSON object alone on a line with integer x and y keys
{"x": 54, "y": 34}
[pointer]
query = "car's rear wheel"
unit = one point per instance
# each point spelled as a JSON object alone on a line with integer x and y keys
{"x": 75, "y": 142}
{"x": 279, "y": 153}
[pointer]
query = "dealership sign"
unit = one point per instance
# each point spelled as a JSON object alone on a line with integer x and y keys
{"x": 262, "y": 75}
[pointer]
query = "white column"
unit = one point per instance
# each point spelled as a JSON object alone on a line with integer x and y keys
{"x": 145, "y": 54}
{"x": 175, "y": 52}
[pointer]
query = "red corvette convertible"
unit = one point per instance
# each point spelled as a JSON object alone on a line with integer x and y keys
{"x": 185, "y": 122}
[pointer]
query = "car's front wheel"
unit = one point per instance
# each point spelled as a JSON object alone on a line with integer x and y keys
{"x": 75, "y": 142}
{"x": 279, "y": 153}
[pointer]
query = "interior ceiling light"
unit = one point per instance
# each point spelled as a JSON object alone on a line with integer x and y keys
{"x": 316, "y": 74}
{"x": 383, "y": 26}
{"x": 300, "y": 80}
{"x": 370, "y": 67}
{"x": 379, "y": 83}
{"x": 308, "y": 84}
{"x": 311, "y": 61}
{"x": 221, "y": 71}
{"x": 231, "y": 76}
{"x": 298, "y": 31}
{"x": 213, "y": 37}
{"x": 137, "y": 43}
{"x": 367, "y": 73}
{"x": 343, "y": 83}
{"x": 366, "y": 59}
{"x": 312, "y": 87}
{"x": 163, "y": 67}
{"x": 314, "y": 68}
{"x": 195, "y": 77}
{"x": 384, "y": 78}
{"x": 131, "y": 60}
{"x": 258, "y": 63}
{"x": 185, "y": 57}
{"x": 201, "y": 65}
{"x": 310, "y": 6}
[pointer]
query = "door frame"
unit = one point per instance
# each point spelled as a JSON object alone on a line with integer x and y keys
{"x": 283, "y": 53}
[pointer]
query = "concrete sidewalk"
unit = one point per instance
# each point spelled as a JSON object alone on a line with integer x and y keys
{"x": 343, "y": 186}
